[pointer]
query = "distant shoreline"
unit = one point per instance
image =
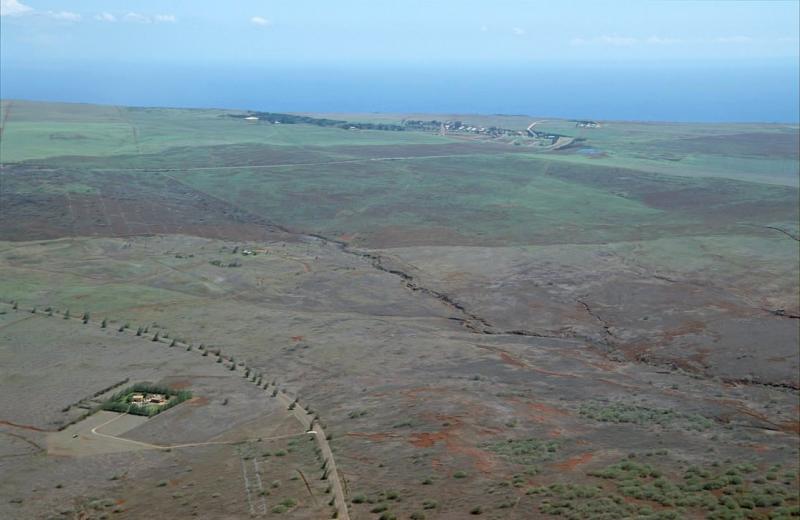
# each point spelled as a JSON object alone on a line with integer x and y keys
{"x": 406, "y": 114}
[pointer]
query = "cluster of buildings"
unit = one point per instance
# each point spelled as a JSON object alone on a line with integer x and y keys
{"x": 142, "y": 399}
{"x": 445, "y": 127}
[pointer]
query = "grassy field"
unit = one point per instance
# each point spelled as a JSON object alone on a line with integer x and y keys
{"x": 41, "y": 130}
{"x": 402, "y": 188}
{"x": 500, "y": 423}
{"x": 607, "y": 330}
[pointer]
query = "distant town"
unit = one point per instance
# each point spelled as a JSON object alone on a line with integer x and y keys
{"x": 447, "y": 127}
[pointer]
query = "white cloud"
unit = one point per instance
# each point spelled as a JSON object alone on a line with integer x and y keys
{"x": 607, "y": 39}
{"x": 620, "y": 41}
{"x": 258, "y": 20}
{"x": 13, "y": 8}
{"x": 105, "y": 17}
{"x": 143, "y": 18}
{"x": 518, "y": 31}
{"x": 733, "y": 39}
{"x": 137, "y": 17}
{"x": 658, "y": 40}
{"x": 67, "y": 16}
{"x": 484, "y": 28}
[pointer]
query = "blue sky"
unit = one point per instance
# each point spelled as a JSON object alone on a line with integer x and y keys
{"x": 395, "y": 32}
{"x": 626, "y": 59}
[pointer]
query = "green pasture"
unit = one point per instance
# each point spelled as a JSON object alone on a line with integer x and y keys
{"x": 764, "y": 153}
{"x": 493, "y": 200}
{"x": 62, "y": 290}
{"x": 652, "y": 181}
{"x": 481, "y": 198}
{"x": 38, "y": 131}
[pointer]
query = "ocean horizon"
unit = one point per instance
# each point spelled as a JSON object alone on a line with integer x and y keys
{"x": 674, "y": 92}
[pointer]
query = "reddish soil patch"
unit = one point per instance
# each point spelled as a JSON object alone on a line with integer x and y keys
{"x": 571, "y": 463}
{"x": 787, "y": 426}
{"x": 514, "y": 361}
{"x": 199, "y": 401}
{"x": 25, "y": 426}
{"x": 297, "y": 338}
{"x": 377, "y": 436}
{"x": 426, "y": 440}
{"x": 511, "y": 360}
{"x": 547, "y": 409}
{"x": 791, "y": 426}
{"x": 691, "y": 327}
{"x": 454, "y": 442}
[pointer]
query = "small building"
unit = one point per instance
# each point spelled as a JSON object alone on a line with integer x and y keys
{"x": 251, "y": 119}
{"x": 144, "y": 398}
{"x": 157, "y": 399}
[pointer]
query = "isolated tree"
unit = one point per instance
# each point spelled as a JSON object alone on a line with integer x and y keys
{"x": 103, "y": 323}
{"x": 15, "y": 306}
{"x": 33, "y": 311}
{"x": 173, "y": 343}
{"x": 86, "y": 317}
{"x": 139, "y": 331}
{"x": 155, "y": 336}
{"x": 66, "y": 314}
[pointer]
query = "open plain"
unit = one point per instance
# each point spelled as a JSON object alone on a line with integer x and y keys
{"x": 382, "y": 324}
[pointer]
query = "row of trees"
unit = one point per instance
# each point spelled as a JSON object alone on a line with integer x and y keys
{"x": 292, "y": 119}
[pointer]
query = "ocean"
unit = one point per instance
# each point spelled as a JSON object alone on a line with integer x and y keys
{"x": 691, "y": 92}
